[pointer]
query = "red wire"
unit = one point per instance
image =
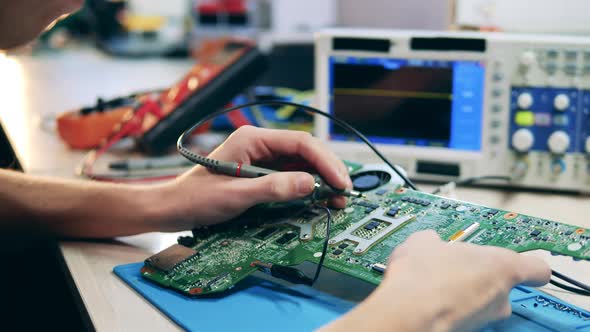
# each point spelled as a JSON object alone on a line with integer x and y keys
{"x": 128, "y": 127}
{"x": 238, "y": 170}
{"x": 133, "y": 126}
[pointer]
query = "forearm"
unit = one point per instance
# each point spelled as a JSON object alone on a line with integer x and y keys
{"x": 76, "y": 208}
{"x": 373, "y": 316}
{"x": 402, "y": 310}
{"x": 197, "y": 197}
{"x": 362, "y": 318}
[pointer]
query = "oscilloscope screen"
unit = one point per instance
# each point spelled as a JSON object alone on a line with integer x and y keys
{"x": 404, "y": 102}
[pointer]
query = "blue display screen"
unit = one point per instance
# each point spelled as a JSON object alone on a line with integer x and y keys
{"x": 409, "y": 102}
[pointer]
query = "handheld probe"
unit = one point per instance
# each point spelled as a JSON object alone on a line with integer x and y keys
{"x": 322, "y": 189}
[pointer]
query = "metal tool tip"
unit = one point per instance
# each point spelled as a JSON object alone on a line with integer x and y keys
{"x": 355, "y": 193}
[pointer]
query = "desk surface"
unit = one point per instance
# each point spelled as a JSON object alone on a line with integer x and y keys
{"x": 32, "y": 88}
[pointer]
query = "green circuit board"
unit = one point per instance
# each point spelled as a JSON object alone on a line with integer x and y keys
{"x": 363, "y": 236}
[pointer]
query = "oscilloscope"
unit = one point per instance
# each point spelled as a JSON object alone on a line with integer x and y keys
{"x": 447, "y": 105}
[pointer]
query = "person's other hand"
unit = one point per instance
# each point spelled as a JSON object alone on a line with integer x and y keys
{"x": 431, "y": 285}
{"x": 201, "y": 197}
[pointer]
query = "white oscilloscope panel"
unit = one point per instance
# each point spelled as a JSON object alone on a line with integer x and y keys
{"x": 448, "y": 105}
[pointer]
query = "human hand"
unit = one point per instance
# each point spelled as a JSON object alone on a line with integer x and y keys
{"x": 431, "y": 285}
{"x": 201, "y": 197}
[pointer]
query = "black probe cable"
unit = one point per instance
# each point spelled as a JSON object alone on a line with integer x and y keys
{"x": 581, "y": 288}
{"x": 292, "y": 274}
{"x": 326, "y": 243}
{"x": 568, "y": 288}
{"x": 237, "y": 169}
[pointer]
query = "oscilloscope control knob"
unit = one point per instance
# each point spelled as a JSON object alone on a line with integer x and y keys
{"x": 522, "y": 140}
{"x": 558, "y": 142}
{"x": 528, "y": 59}
{"x": 520, "y": 169}
{"x": 525, "y": 100}
{"x": 558, "y": 166}
{"x": 561, "y": 102}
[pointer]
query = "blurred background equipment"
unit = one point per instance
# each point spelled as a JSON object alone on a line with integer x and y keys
{"x": 524, "y": 96}
{"x": 460, "y": 105}
{"x": 538, "y": 16}
{"x": 142, "y": 28}
{"x": 214, "y": 17}
{"x": 290, "y": 61}
{"x": 157, "y": 118}
{"x": 399, "y": 14}
{"x": 88, "y": 127}
{"x": 155, "y": 28}
{"x": 210, "y": 85}
{"x": 226, "y": 68}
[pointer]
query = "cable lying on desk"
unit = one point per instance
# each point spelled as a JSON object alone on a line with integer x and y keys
{"x": 471, "y": 180}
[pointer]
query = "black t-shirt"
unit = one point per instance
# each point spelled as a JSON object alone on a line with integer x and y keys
{"x": 36, "y": 286}
{"x": 8, "y": 159}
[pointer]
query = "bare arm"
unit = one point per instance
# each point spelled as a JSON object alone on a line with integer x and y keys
{"x": 76, "y": 208}
{"x": 198, "y": 197}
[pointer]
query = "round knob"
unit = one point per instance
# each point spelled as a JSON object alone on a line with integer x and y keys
{"x": 587, "y": 144}
{"x": 528, "y": 58}
{"x": 520, "y": 169}
{"x": 525, "y": 100}
{"x": 559, "y": 142}
{"x": 561, "y": 102}
{"x": 558, "y": 166}
{"x": 522, "y": 140}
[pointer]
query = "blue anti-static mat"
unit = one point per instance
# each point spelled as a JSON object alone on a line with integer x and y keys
{"x": 259, "y": 305}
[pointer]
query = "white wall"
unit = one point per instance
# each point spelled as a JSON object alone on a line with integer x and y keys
{"x": 568, "y": 16}
{"x": 408, "y": 14}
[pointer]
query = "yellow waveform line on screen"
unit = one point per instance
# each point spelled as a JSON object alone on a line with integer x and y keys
{"x": 392, "y": 93}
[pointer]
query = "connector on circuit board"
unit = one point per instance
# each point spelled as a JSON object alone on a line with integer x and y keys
{"x": 286, "y": 273}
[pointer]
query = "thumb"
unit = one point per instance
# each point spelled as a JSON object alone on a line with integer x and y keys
{"x": 276, "y": 187}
